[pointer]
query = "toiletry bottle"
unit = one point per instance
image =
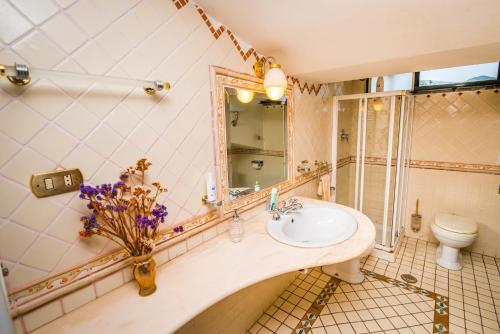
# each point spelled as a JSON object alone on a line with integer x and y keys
{"x": 236, "y": 229}
{"x": 273, "y": 199}
{"x": 256, "y": 187}
{"x": 211, "y": 193}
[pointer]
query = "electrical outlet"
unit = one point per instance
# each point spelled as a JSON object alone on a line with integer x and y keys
{"x": 67, "y": 180}
{"x": 55, "y": 183}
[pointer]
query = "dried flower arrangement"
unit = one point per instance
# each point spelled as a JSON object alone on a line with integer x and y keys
{"x": 127, "y": 213}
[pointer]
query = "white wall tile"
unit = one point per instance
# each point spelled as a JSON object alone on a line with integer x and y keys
{"x": 93, "y": 59}
{"x": 64, "y": 32}
{"x": 67, "y": 226}
{"x": 8, "y": 148}
{"x": 10, "y": 196}
{"x": 77, "y": 120}
{"x": 38, "y": 50}
{"x": 20, "y": 123}
{"x": 45, "y": 253}
{"x": 37, "y": 11}
{"x": 108, "y": 283}
{"x": 42, "y": 315}
{"x": 177, "y": 250}
{"x": 14, "y": 240}
{"x": 36, "y": 213}
{"x": 53, "y": 143}
{"x": 36, "y": 97}
{"x": 85, "y": 159}
{"x": 104, "y": 140}
{"x": 12, "y": 24}
{"x": 26, "y": 163}
{"x": 79, "y": 298}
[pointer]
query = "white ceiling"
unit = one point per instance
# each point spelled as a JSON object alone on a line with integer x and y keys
{"x": 337, "y": 40}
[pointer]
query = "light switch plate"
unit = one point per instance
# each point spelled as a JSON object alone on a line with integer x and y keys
{"x": 55, "y": 183}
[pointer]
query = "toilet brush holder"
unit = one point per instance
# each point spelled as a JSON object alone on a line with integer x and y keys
{"x": 416, "y": 220}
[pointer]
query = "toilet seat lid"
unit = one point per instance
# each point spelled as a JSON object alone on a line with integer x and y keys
{"x": 457, "y": 224}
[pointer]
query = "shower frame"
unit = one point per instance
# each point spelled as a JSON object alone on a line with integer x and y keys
{"x": 402, "y": 160}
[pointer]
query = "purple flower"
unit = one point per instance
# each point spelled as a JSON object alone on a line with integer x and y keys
{"x": 178, "y": 229}
{"x": 160, "y": 212}
{"x": 143, "y": 222}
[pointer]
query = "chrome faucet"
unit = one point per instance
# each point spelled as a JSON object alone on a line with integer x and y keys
{"x": 285, "y": 209}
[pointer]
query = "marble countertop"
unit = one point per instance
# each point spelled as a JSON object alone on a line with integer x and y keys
{"x": 191, "y": 283}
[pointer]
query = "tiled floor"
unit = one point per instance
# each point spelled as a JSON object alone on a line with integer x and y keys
{"x": 442, "y": 301}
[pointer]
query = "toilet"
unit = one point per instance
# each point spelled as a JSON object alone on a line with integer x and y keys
{"x": 453, "y": 232}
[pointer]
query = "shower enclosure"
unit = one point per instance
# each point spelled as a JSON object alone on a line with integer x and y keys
{"x": 371, "y": 152}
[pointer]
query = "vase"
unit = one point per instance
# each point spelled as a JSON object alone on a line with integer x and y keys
{"x": 145, "y": 274}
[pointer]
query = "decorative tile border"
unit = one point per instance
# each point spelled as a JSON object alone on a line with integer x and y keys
{"x": 256, "y": 151}
{"x": 179, "y": 4}
{"x": 456, "y": 166}
{"x": 307, "y": 321}
{"x": 441, "y": 309}
{"x": 425, "y": 164}
{"x": 42, "y": 292}
{"x": 277, "y": 318}
{"x": 442, "y": 304}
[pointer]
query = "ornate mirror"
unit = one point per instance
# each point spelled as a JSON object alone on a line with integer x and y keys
{"x": 253, "y": 139}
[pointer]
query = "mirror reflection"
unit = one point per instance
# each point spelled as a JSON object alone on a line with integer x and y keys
{"x": 256, "y": 138}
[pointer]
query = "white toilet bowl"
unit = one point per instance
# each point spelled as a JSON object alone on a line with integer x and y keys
{"x": 453, "y": 232}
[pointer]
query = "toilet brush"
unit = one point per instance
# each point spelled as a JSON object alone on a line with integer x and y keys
{"x": 416, "y": 220}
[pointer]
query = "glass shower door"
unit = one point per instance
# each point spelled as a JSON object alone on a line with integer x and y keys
{"x": 372, "y": 154}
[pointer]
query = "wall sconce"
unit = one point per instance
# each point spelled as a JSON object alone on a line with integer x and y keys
{"x": 244, "y": 95}
{"x": 274, "y": 79}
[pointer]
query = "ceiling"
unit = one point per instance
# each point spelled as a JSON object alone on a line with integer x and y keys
{"x": 337, "y": 40}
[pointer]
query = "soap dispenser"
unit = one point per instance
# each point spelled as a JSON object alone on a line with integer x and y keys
{"x": 236, "y": 229}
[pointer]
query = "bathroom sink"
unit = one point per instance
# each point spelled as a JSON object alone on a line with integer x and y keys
{"x": 313, "y": 226}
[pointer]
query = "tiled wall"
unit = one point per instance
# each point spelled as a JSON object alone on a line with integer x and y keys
{"x": 457, "y": 127}
{"x": 101, "y": 129}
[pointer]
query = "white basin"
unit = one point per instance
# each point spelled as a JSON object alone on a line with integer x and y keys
{"x": 314, "y": 226}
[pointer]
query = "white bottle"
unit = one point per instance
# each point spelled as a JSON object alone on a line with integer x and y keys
{"x": 211, "y": 193}
{"x": 236, "y": 229}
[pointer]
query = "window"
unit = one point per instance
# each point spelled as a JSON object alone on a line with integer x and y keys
{"x": 462, "y": 76}
{"x": 401, "y": 81}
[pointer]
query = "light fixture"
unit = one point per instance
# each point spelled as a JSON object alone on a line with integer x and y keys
{"x": 244, "y": 95}
{"x": 378, "y": 104}
{"x": 275, "y": 81}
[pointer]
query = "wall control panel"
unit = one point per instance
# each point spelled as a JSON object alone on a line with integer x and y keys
{"x": 55, "y": 183}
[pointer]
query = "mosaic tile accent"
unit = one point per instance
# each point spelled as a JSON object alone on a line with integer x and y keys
{"x": 180, "y": 3}
{"x": 317, "y": 303}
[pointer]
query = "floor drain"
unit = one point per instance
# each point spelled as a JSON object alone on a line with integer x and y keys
{"x": 409, "y": 278}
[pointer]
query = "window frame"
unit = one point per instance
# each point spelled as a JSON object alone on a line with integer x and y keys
{"x": 485, "y": 83}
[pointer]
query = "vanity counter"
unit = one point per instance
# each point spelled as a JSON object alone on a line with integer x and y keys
{"x": 191, "y": 283}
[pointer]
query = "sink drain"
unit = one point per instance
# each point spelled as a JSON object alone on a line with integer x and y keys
{"x": 409, "y": 278}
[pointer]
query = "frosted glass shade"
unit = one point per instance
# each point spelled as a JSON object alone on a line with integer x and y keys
{"x": 275, "y": 82}
{"x": 275, "y": 93}
{"x": 244, "y": 96}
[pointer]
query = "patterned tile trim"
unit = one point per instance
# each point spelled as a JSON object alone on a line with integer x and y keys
{"x": 425, "y": 164}
{"x": 310, "y": 88}
{"x": 180, "y": 3}
{"x": 307, "y": 321}
{"x": 39, "y": 289}
{"x": 47, "y": 290}
{"x": 256, "y": 151}
{"x": 441, "y": 309}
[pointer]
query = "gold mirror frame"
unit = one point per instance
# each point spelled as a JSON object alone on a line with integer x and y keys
{"x": 220, "y": 78}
